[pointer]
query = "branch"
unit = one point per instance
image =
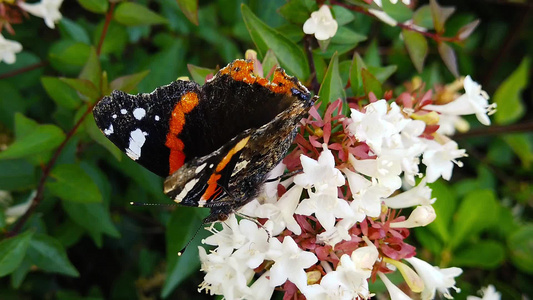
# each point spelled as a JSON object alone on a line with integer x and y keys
{"x": 496, "y": 130}
{"x": 23, "y": 70}
{"x": 108, "y": 17}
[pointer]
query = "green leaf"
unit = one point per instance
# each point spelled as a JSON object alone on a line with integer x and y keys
{"x": 199, "y": 74}
{"x": 17, "y": 277}
{"x": 73, "y": 31}
{"x": 508, "y": 95}
{"x": 331, "y": 88}
{"x": 62, "y": 94}
{"x": 440, "y": 15}
{"x": 483, "y": 254}
{"x": 48, "y": 254}
{"x": 371, "y": 84}
{"x": 94, "y": 132}
{"x": 68, "y": 56}
{"x": 73, "y": 184}
{"x": 417, "y": 47}
{"x": 422, "y": 17}
{"x": 478, "y": 211}
{"x": 190, "y": 10}
{"x": 465, "y": 31}
{"x": 128, "y": 83}
{"x": 94, "y": 217}
{"x": 12, "y": 252}
{"x": 92, "y": 70}
{"x": 269, "y": 63}
{"x": 448, "y": 57}
{"x": 172, "y": 57}
{"x": 115, "y": 40}
{"x": 356, "y": 79}
{"x": 398, "y": 11}
{"x": 295, "y": 11}
{"x": 180, "y": 229}
{"x": 95, "y": 6}
{"x": 347, "y": 36}
{"x": 342, "y": 15}
{"x": 16, "y": 174}
{"x": 133, "y": 14}
{"x": 372, "y": 56}
{"x": 429, "y": 240}
{"x": 520, "y": 244}
{"x": 382, "y": 73}
{"x": 290, "y": 56}
{"x": 83, "y": 86}
{"x": 38, "y": 139}
{"x": 444, "y": 208}
{"x": 522, "y": 146}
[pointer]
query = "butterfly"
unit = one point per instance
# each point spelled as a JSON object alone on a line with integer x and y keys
{"x": 214, "y": 143}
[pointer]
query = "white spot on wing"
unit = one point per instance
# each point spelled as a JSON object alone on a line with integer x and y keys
{"x": 241, "y": 165}
{"x": 114, "y": 116}
{"x": 139, "y": 113}
{"x": 200, "y": 168}
{"x": 156, "y": 117}
{"x": 188, "y": 186}
{"x": 137, "y": 139}
{"x": 123, "y": 111}
{"x": 109, "y": 130}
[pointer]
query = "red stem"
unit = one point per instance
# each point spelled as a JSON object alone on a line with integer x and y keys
{"x": 23, "y": 70}
{"x": 108, "y": 17}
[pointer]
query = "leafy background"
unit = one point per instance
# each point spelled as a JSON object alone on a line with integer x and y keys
{"x": 82, "y": 240}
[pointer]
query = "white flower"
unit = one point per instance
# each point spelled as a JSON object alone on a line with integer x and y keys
{"x": 372, "y": 126}
{"x": 321, "y": 24}
{"x": 289, "y": 263}
{"x": 419, "y": 195}
{"x": 349, "y": 280}
{"x": 474, "y": 101}
{"x": 281, "y": 213}
{"x": 385, "y": 168}
{"x": 449, "y": 123}
{"x": 394, "y": 292}
{"x": 321, "y": 173}
{"x": 46, "y": 9}
{"x": 261, "y": 288}
{"x": 224, "y": 275}
{"x": 435, "y": 279}
{"x": 253, "y": 251}
{"x": 488, "y": 293}
{"x": 231, "y": 237}
{"x": 8, "y": 49}
{"x": 421, "y": 216}
{"x": 439, "y": 159}
{"x": 326, "y": 206}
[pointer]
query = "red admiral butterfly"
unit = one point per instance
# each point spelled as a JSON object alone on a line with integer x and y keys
{"x": 215, "y": 143}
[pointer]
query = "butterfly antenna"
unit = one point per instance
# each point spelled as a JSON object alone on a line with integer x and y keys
{"x": 180, "y": 253}
{"x": 152, "y": 204}
{"x": 284, "y": 176}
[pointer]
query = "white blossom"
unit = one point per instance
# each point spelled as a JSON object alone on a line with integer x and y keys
{"x": 230, "y": 237}
{"x": 321, "y": 24}
{"x": 321, "y": 173}
{"x": 289, "y": 263}
{"x": 488, "y": 293}
{"x": 394, "y": 292}
{"x": 8, "y": 49}
{"x": 46, "y": 9}
{"x": 261, "y": 288}
{"x": 473, "y": 101}
{"x": 224, "y": 275}
{"x": 439, "y": 159}
{"x": 419, "y": 195}
{"x": 421, "y": 216}
{"x": 326, "y": 206}
{"x": 281, "y": 213}
{"x": 435, "y": 278}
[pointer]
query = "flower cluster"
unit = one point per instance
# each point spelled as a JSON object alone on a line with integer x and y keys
{"x": 11, "y": 12}
{"x": 327, "y": 231}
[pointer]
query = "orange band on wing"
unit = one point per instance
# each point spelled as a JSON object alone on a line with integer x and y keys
{"x": 212, "y": 184}
{"x": 242, "y": 70}
{"x": 185, "y": 105}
